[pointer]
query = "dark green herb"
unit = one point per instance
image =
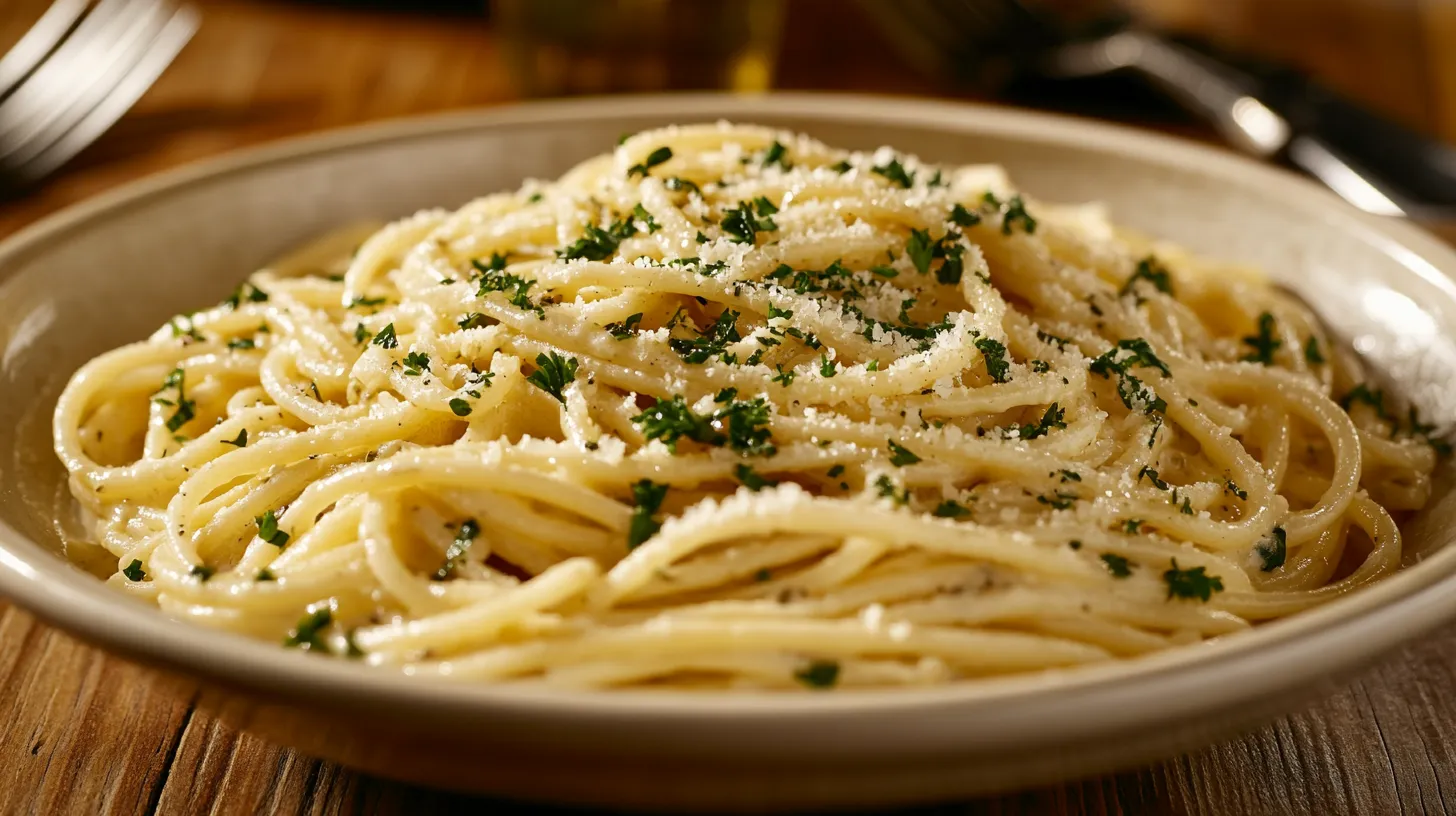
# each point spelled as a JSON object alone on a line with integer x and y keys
{"x": 900, "y": 456}
{"x": 711, "y": 343}
{"x": 1059, "y": 500}
{"x": 841, "y": 167}
{"x": 1312, "y": 353}
{"x": 595, "y": 244}
{"x": 776, "y": 154}
{"x": 762, "y": 575}
{"x": 268, "y": 530}
{"x": 307, "y": 634}
{"x": 385, "y": 338}
{"x": 1053, "y": 418}
{"x": 641, "y": 214}
{"x": 361, "y": 334}
{"x": 1264, "y": 344}
{"x": 241, "y": 440}
{"x": 265, "y": 574}
{"x": 835, "y": 472}
{"x": 747, "y": 423}
{"x": 245, "y": 293}
{"x": 921, "y": 250}
{"x": 415, "y": 363}
{"x": 1191, "y": 583}
{"x": 751, "y": 479}
{"x": 821, "y": 674}
{"x": 1013, "y": 211}
{"x": 1152, "y": 476}
{"x": 826, "y": 367}
{"x": 1148, "y": 269}
{"x": 626, "y": 328}
{"x": 553, "y": 373}
{"x": 950, "y": 509}
{"x": 367, "y": 302}
{"x": 1271, "y": 551}
{"x": 1069, "y": 476}
{"x": 783, "y": 377}
{"x": 1119, "y": 360}
{"x": 671, "y": 420}
{"x": 676, "y": 184}
{"x": 962, "y": 217}
{"x": 1117, "y": 565}
{"x": 1374, "y": 397}
{"x": 1234, "y": 489}
{"x": 202, "y": 572}
{"x": 743, "y": 226}
{"x": 648, "y": 497}
{"x": 887, "y": 489}
{"x": 1059, "y": 342}
{"x": 895, "y": 173}
{"x": 460, "y": 407}
{"x": 884, "y": 271}
{"x": 1132, "y": 526}
{"x": 464, "y": 537}
{"x": 242, "y": 343}
{"x": 653, "y": 159}
{"x": 994, "y": 353}
{"x": 134, "y": 571}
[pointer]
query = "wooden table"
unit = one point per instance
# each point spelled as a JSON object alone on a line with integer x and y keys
{"x": 83, "y": 732}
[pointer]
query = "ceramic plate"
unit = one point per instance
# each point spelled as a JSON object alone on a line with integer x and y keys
{"x": 109, "y": 271}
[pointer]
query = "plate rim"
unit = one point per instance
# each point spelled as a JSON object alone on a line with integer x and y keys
{"x": 1030, "y": 709}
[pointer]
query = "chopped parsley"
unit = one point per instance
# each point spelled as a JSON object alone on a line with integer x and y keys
{"x": 241, "y": 440}
{"x": 1013, "y": 211}
{"x": 711, "y": 343}
{"x": 1059, "y": 500}
{"x": 672, "y": 420}
{"x": 1053, "y": 418}
{"x": 676, "y": 184}
{"x": 202, "y": 572}
{"x": 459, "y": 407}
{"x": 1271, "y": 551}
{"x": 820, "y": 674}
{"x": 1229, "y": 485}
{"x": 186, "y": 408}
{"x": 245, "y": 293}
{"x": 887, "y": 489}
{"x": 1191, "y": 583}
{"x": 1132, "y": 526}
{"x": 1152, "y": 476}
{"x": 653, "y": 159}
{"x": 553, "y": 373}
{"x": 361, "y": 334}
{"x": 776, "y": 154}
{"x": 268, "y": 529}
{"x": 415, "y": 363}
{"x": 835, "y": 472}
{"x": 367, "y": 302}
{"x": 242, "y": 343}
{"x": 895, "y": 173}
{"x": 783, "y": 377}
{"x": 386, "y": 338}
{"x": 900, "y": 456}
{"x": 1374, "y": 397}
{"x": 134, "y": 571}
{"x": 1312, "y": 353}
{"x": 841, "y": 167}
{"x": 751, "y": 479}
{"x": 994, "y": 353}
{"x": 950, "y": 509}
{"x": 647, "y": 497}
{"x": 626, "y": 328}
{"x": 641, "y": 214}
{"x": 741, "y": 223}
{"x": 1117, "y": 565}
{"x": 265, "y": 574}
{"x": 307, "y": 634}
{"x": 1148, "y": 269}
{"x": 1119, "y": 360}
{"x": 747, "y": 425}
{"x": 469, "y": 529}
{"x": 962, "y": 217}
{"x": 920, "y": 249}
{"x": 826, "y": 367}
{"x": 1264, "y": 344}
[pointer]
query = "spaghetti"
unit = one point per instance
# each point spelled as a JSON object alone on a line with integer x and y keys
{"x": 728, "y": 407}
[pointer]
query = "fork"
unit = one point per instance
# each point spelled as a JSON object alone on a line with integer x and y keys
{"x": 1276, "y": 114}
{"x": 75, "y": 72}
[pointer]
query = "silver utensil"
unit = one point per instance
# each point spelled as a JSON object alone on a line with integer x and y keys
{"x": 1267, "y": 111}
{"x": 75, "y": 72}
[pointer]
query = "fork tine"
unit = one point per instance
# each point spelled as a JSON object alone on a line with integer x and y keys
{"x": 42, "y": 38}
{"x": 80, "y": 72}
{"x": 154, "y": 60}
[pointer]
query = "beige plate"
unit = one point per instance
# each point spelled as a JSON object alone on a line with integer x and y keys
{"x": 110, "y": 270}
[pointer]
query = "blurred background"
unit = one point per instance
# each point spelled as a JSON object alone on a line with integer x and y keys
{"x": 257, "y": 70}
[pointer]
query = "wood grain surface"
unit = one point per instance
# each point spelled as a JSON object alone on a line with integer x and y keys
{"x": 82, "y": 732}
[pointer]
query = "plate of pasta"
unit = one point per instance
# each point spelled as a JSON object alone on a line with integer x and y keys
{"x": 822, "y": 450}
